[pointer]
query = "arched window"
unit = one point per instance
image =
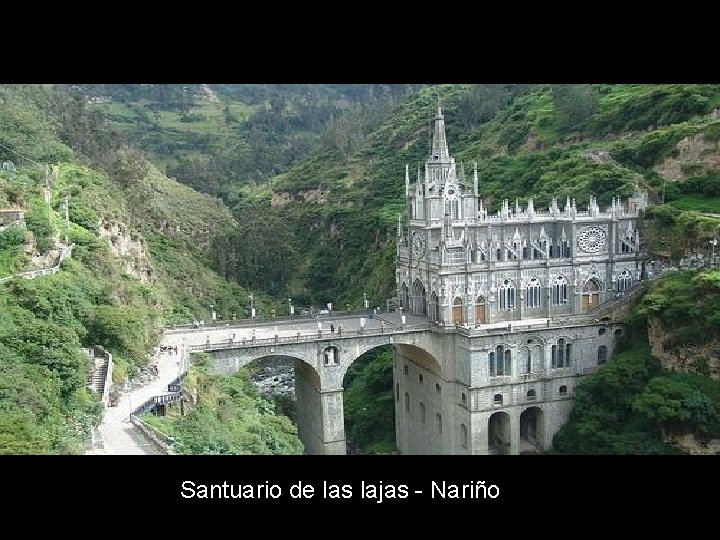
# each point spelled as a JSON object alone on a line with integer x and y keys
{"x": 437, "y": 387}
{"x": 567, "y": 354}
{"x": 561, "y": 354}
{"x": 438, "y": 419}
{"x": 531, "y": 395}
{"x": 507, "y": 295}
{"x": 624, "y": 281}
{"x": 463, "y": 435}
{"x": 407, "y": 402}
{"x": 497, "y": 399}
{"x": 602, "y": 354}
{"x": 500, "y": 362}
{"x": 559, "y": 291}
{"x": 562, "y": 390}
{"x": 566, "y": 248}
{"x": 532, "y": 293}
{"x": 420, "y": 378}
{"x": 480, "y": 310}
{"x": 525, "y": 252}
{"x": 422, "y": 412}
{"x": 553, "y": 355}
{"x": 498, "y": 254}
{"x": 452, "y": 209}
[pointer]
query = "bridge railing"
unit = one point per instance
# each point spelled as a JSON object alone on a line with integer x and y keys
{"x": 307, "y": 337}
{"x": 268, "y": 321}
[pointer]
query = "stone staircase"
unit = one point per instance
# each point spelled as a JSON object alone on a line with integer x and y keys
{"x": 100, "y": 373}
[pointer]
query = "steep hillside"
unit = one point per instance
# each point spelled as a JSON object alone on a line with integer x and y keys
{"x": 140, "y": 259}
{"x": 217, "y": 137}
{"x": 333, "y": 216}
{"x": 661, "y": 394}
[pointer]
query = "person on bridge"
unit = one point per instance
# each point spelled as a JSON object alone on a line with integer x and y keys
{"x": 332, "y": 328}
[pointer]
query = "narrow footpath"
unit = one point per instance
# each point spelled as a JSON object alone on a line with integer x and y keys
{"x": 116, "y": 435}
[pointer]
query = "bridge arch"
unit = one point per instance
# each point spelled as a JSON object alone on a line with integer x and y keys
{"x": 419, "y": 355}
{"x": 231, "y": 360}
{"x": 532, "y": 430}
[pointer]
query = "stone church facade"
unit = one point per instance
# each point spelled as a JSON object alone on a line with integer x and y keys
{"x": 508, "y": 291}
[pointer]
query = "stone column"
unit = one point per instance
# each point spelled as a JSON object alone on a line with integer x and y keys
{"x": 514, "y": 432}
{"x": 547, "y": 364}
{"x": 320, "y": 419}
{"x": 478, "y": 434}
{"x": 333, "y": 422}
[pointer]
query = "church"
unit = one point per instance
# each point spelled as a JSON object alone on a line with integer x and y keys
{"x": 520, "y": 286}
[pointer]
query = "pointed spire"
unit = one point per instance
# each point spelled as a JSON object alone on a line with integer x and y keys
{"x": 553, "y": 206}
{"x": 531, "y": 207}
{"x": 475, "y": 181}
{"x": 563, "y": 236}
{"x": 516, "y": 236}
{"x": 567, "y": 204}
{"x": 407, "y": 180}
{"x": 517, "y": 206}
{"x": 543, "y": 234}
{"x": 399, "y": 226}
{"x": 439, "y": 150}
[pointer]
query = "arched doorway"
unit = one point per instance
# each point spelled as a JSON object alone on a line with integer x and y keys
{"x": 480, "y": 310}
{"x": 531, "y": 431}
{"x": 404, "y": 297}
{"x": 590, "y": 295}
{"x": 457, "y": 311}
{"x": 499, "y": 433}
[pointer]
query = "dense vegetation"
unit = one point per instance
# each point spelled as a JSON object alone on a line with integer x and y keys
{"x": 303, "y": 185}
{"x": 231, "y": 417}
{"x": 632, "y": 405}
{"x": 140, "y": 260}
{"x": 217, "y": 137}
{"x": 368, "y": 403}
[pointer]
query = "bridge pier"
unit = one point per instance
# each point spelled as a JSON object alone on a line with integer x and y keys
{"x": 320, "y": 417}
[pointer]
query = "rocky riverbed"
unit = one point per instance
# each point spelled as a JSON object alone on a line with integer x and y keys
{"x": 276, "y": 377}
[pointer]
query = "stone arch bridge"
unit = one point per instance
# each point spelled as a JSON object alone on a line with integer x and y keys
{"x": 447, "y": 399}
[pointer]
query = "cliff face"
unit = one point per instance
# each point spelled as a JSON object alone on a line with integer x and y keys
{"x": 703, "y": 359}
{"x": 693, "y": 155}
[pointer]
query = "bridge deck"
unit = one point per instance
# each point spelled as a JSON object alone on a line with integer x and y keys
{"x": 237, "y": 336}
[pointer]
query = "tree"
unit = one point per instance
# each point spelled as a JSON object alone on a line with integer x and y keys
{"x": 574, "y": 106}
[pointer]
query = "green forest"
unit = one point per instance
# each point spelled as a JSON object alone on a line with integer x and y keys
{"x": 186, "y": 198}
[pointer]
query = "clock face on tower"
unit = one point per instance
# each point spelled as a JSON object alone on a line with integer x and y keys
{"x": 418, "y": 243}
{"x": 591, "y": 239}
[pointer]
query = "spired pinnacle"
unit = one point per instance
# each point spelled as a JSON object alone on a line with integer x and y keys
{"x": 439, "y": 150}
